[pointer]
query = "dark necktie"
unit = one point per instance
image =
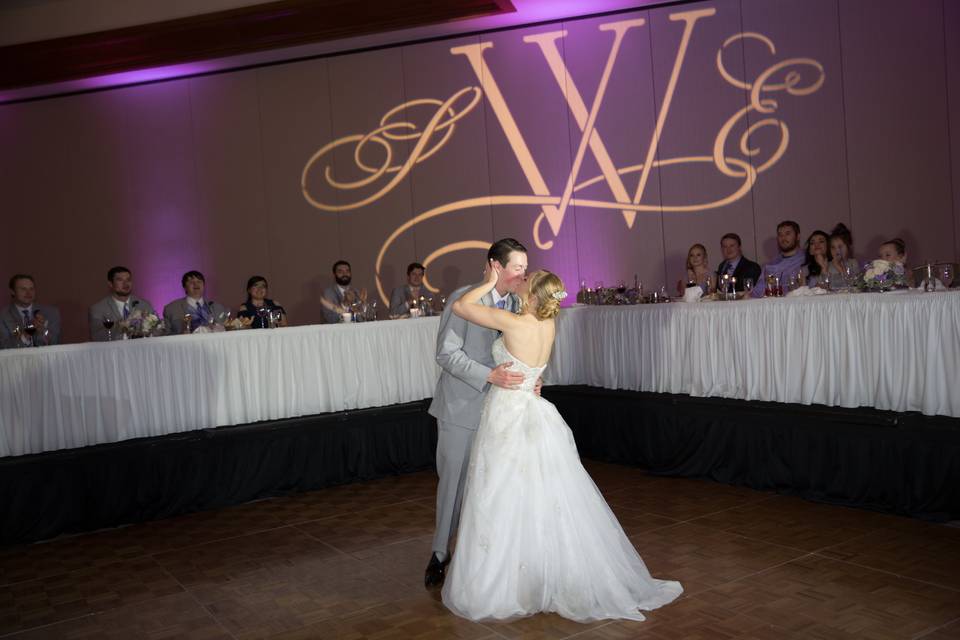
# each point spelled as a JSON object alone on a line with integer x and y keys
{"x": 502, "y": 304}
{"x": 26, "y": 317}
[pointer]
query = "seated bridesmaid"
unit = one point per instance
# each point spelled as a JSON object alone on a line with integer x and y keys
{"x": 698, "y": 271}
{"x": 895, "y": 250}
{"x": 258, "y": 304}
{"x": 843, "y": 267}
{"x": 817, "y": 261}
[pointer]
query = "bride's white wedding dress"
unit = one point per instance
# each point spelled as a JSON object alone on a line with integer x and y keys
{"x": 535, "y": 533}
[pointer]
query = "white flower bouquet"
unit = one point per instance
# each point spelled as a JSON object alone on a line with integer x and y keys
{"x": 142, "y": 325}
{"x": 882, "y": 275}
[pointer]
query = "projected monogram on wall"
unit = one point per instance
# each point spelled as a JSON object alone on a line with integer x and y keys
{"x": 739, "y": 160}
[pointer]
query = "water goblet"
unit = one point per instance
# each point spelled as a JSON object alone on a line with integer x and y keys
{"x": 747, "y": 286}
{"x": 947, "y": 275}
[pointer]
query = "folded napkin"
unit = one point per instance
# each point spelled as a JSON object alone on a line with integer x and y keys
{"x": 937, "y": 286}
{"x": 692, "y": 294}
{"x": 806, "y": 291}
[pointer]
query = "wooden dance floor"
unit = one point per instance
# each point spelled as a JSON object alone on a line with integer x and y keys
{"x": 347, "y": 563}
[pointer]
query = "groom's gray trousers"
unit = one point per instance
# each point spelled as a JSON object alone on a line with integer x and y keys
{"x": 464, "y": 353}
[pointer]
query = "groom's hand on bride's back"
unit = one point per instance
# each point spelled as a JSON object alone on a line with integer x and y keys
{"x": 501, "y": 376}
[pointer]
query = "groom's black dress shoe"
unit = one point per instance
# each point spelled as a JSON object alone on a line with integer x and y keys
{"x": 436, "y": 572}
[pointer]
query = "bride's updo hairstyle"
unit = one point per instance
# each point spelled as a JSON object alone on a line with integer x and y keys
{"x": 546, "y": 287}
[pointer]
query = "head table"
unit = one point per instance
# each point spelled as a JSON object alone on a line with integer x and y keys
{"x": 896, "y": 351}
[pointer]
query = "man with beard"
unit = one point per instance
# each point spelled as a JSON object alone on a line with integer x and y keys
{"x": 789, "y": 262}
{"x": 118, "y": 305}
{"x": 340, "y": 295}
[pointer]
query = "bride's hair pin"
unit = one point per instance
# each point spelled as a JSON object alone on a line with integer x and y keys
{"x": 559, "y": 295}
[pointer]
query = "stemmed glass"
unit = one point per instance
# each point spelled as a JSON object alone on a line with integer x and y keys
{"x": 823, "y": 281}
{"x": 30, "y": 329}
{"x": 108, "y": 325}
{"x": 948, "y": 275}
{"x": 747, "y": 287}
{"x": 262, "y": 314}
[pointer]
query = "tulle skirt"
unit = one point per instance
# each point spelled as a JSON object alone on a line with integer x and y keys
{"x": 535, "y": 533}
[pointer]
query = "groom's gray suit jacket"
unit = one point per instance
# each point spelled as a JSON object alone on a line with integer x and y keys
{"x": 465, "y": 353}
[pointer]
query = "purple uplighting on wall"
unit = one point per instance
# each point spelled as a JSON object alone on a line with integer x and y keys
{"x": 126, "y": 78}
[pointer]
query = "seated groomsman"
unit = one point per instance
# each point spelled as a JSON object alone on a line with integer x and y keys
{"x": 118, "y": 305}
{"x": 734, "y": 263}
{"x": 340, "y": 295}
{"x": 23, "y": 312}
{"x": 410, "y": 291}
{"x": 788, "y": 263}
{"x": 201, "y": 311}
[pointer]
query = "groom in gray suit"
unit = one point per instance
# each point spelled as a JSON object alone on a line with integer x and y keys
{"x": 464, "y": 352}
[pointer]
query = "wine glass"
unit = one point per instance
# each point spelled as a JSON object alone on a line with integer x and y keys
{"x": 747, "y": 287}
{"x": 947, "y": 274}
{"x": 108, "y": 325}
{"x": 262, "y": 314}
{"x": 30, "y": 329}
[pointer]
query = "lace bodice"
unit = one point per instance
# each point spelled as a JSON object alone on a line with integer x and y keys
{"x": 530, "y": 374}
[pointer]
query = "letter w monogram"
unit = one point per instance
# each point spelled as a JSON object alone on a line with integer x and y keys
{"x": 586, "y": 120}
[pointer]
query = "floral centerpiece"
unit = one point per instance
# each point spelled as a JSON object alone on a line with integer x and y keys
{"x": 235, "y": 324}
{"x": 882, "y": 275}
{"x": 142, "y": 325}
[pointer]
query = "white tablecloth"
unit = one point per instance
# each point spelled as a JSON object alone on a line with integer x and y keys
{"x": 898, "y": 351}
{"x": 83, "y": 394}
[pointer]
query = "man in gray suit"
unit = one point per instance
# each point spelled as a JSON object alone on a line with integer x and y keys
{"x": 201, "y": 311}
{"x": 117, "y": 306}
{"x": 464, "y": 352}
{"x": 340, "y": 295}
{"x": 24, "y": 316}
{"x": 400, "y": 296}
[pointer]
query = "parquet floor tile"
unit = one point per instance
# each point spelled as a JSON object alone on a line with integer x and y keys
{"x": 357, "y": 530}
{"x": 177, "y": 616}
{"x": 911, "y": 548}
{"x": 346, "y": 563}
{"x": 796, "y": 523}
{"x": 81, "y": 592}
{"x": 236, "y": 558}
{"x": 701, "y": 557}
{"x": 817, "y": 597}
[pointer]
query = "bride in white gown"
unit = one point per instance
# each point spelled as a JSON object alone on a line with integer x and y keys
{"x": 535, "y": 533}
